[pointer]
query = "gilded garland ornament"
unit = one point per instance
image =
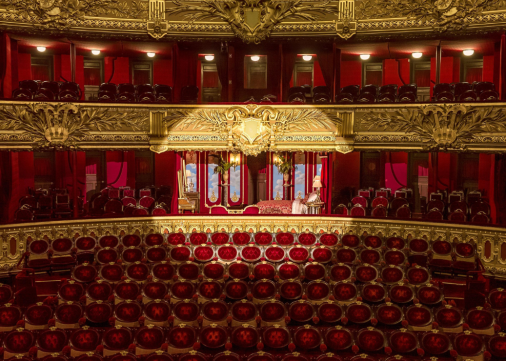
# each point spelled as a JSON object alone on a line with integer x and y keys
{"x": 251, "y": 128}
{"x": 252, "y": 20}
{"x": 439, "y": 127}
{"x": 64, "y": 125}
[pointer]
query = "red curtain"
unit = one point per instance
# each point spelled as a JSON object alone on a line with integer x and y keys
{"x": 175, "y": 193}
{"x": 326, "y": 61}
{"x": 211, "y": 80}
{"x": 186, "y": 69}
{"x": 92, "y": 76}
{"x": 40, "y": 72}
{"x": 422, "y": 78}
{"x": 142, "y": 77}
{"x": 304, "y": 78}
{"x": 325, "y": 184}
{"x": 43, "y": 167}
{"x": 222, "y": 67}
{"x": 374, "y": 78}
{"x": 289, "y": 58}
{"x": 474, "y": 74}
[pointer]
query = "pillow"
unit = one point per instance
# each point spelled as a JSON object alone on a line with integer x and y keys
{"x": 306, "y": 197}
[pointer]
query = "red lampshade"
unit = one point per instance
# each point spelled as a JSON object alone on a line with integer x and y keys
{"x": 317, "y": 290}
{"x": 394, "y": 257}
{"x": 350, "y": 240}
{"x": 203, "y": 253}
{"x": 340, "y": 272}
{"x": 210, "y": 289}
{"x": 197, "y": 239}
{"x": 373, "y": 242}
{"x": 241, "y": 238}
{"x": 274, "y": 253}
{"x": 272, "y": 311}
{"x": 291, "y": 290}
{"x": 188, "y": 271}
{"x": 285, "y": 239}
{"x": 251, "y": 253}
{"x": 85, "y": 273}
{"x": 186, "y": 311}
{"x": 370, "y": 339}
{"x": 306, "y": 239}
{"x": 127, "y": 290}
{"x": 301, "y": 311}
{"x": 389, "y": 314}
{"x": 175, "y": 239}
{"x": 298, "y": 254}
{"x": 419, "y": 316}
{"x": 227, "y": 253}
{"x": 220, "y": 238}
{"x": 153, "y": 239}
{"x": 435, "y": 343}
{"x": 264, "y": 270}
{"x": 338, "y": 338}
{"x": 157, "y": 311}
{"x": 263, "y": 238}
{"x": 330, "y": 312}
{"x": 138, "y": 272}
{"x": 214, "y": 270}
{"x": 401, "y": 293}
{"x": 236, "y": 290}
{"x": 243, "y": 311}
{"x": 98, "y": 312}
{"x": 321, "y": 254}
{"x": 155, "y": 290}
{"x": 329, "y": 239}
{"x": 359, "y": 313}
{"x": 402, "y": 341}
{"x": 163, "y": 271}
{"x": 215, "y": 311}
{"x": 373, "y": 292}
{"x": 244, "y": 337}
{"x": 395, "y": 242}
{"x": 289, "y": 271}
{"x": 276, "y": 337}
{"x": 307, "y": 338}
{"x": 366, "y": 273}
{"x": 182, "y": 290}
{"x": 213, "y": 336}
{"x": 150, "y": 338}
{"x": 392, "y": 274}
{"x": 346, "y": 255}
{"x": 239, "y": 270}
{"x": 345, "y": 292}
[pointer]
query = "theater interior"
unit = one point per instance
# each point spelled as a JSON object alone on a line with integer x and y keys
{"x": 253, "y": 180}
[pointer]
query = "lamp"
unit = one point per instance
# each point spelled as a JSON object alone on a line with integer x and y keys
{"x": 255, "y": 58}
{"x": 41, "y": 48}
{"x": 188, "y": 177}
{"x": 307, "y": 57}
{"x": 95, "y": 52}
{"x": 209, "y": 57}
{"x": 365, "y": 56}
{"x": 417, "y": 55}
{"x": 235, "y": 159}
{"x": 151, "y": 55}
{"x": 317, "y": 183}
{"x": 468, "y": 52}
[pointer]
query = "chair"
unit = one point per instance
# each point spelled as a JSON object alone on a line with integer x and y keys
{"x": 467, "y": 96}
{"x": 434, "y": 215}
{"x": 379, "y": 201}
{"x": 62, "y": 206}
{"x": 360, "y": 200}
{"x": 269, "y": 98}
{"x": 71, "y": 87}
{"x": 368, "y": 94}
{"x": 68, "y": 315}
{"x": 23, "y": 215}
{"x": 321, "y": 95}
{"x": 486, "y": 91}
{"x": 125, "y": 98}
{"x": 403, "y": 212}
{"x": 147, "y": 202}
{"x": 387, "y": 93}
{"x": 341, "y": 209}
{"x": 22, "y": 94}
{"x": 31, "y": 85}
{"x": 146, "y": 98}
{"x": 106, "y": 96}
{"x": 145, "y": 192}
{"x": 397, "y": 203}
{"x": 44, "y": 95}
{"x": 37, "y": 316}
{"x": 359, "y": 313}
{"x": 84, "y": 273}
{"x": 38, "y": 254}
{"x": 156, "y": 313}
{"x": 52, "y": 86}
{"x": 163, "y": 93}
{"x": 131, "y": 240}
{"x": 148, "y": 340}
{"x": 83, "y": 341}
{"x": 478, "y": 207}
{"x": 182, "y": 338}
{"x": 159, "y": 210}
{"x": 10, "y": 315}
{"x": 115, "y": 340}
{"x": 481, "y": 218}
{"x": 442, "y": 92}
{"x": 106, "y": 255}
{"x": 379, "y": 211}
{"x": 62, "y": 252}
{"x": 126, "y": 88}
{"x": 408, "y": 93}
{"x": 189, "y": 94}
{"x": 489, "y": 96}
{"x": 68, "y": 96}
{"x": 114, "y": 207}
{"x": 436, "y": 204}
{"x": 460, "y": 88}
{"x": 297, "y": 95}
{"x": 156, "y": 254}
{"x": 98, "y": 312}
{"x": 348, "y": 94}
{"x": 218, "y": 209}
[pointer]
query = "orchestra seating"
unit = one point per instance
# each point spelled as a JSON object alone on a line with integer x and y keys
{"x": 47, "y": 91}
{"x": 279, "y": 296}
{"x": 465, "y": 92}
{"x": 110, "y": 202}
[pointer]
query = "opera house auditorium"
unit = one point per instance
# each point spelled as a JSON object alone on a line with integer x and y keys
{"x": 253, "y": 180}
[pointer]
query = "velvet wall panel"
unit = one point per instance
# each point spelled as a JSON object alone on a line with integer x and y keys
{"x": 351, "y": 73}
{"x": 56, "y": 68}
{"x": 450, "y": 71}
{"x": 7, "y": 71}
{"x": 121, "y": 70}
{"x": 488, "y": 68}
{"x": 62, "y": 67}
{"x": 162, "y": 73}
{"x": 346, "y": 173}
{"x": 14, "y": 64}
{"x": 130, "y": 162}
{"x": 116, "y": 168}
{"x": 25, "y": 66}
{"x": 486, "y": 181}
{"x": 318, "y": 79}
{"x": 26, "y": 172}
{"x": 14, "y": 185}
{"x": 396, "y": 71}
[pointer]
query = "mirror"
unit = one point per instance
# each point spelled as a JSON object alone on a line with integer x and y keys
{"x": 255, "y": 71}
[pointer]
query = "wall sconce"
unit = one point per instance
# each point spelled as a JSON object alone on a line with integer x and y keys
{"x": 276, "y": 159}
{"x": 209, "y": 57}
{"x": 307, "y": 57}
{"x": 235, "y": 159}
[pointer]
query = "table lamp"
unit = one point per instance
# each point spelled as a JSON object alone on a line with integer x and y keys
{"x": 317, "y": 183}
{"x": 188, "y": 177}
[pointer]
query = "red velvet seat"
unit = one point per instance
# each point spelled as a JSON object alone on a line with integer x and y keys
{"x": 83, "y": 341}
{"x": 244, "y": 337}
{"x": 111, "y": 273}
{"x": 241, "y": 238}
{"x": 263, "y": 290}
{"x": 239, "y": 270}
{"x": 340, "y": 272}
{"x": 68, "y": 315}
{"x": 314, "y": 271}
{"x": 403, "y": 341}
{"x": 392, "y": 274}
{"x": 189, "y": 271}
{"x": 379, "y": 212}
{"x": 126, "y": 290}
{"x": 131, "y": 240}
{"x": 99, "y": 291}
{"x": 358, "y": 211}
{"x": 307, "y": 338}
{"x": 264, "y": 270}
{"x": 62, "y": 252}
{"x": 175, "y": 239}
{"x": 346, "y": 255}
{"x": 215, "y": 311}
{"x": 373, "y": 241}
{"x": 291, "y": 290}
{"x": 441, "y": 259}
{"x": 251, "y": 253}
{"x": 338, "y": 339}
{"x": 213, "y": 336}
{"x": 465, "y": 254}
{"x": 71, "y": 291}
{"x": 350, "y": 240}
{"x": 373, "y": 292}
{"x": 127, "y": 313}
{"x": 38, "y": 254}
{"x": 289, "y": 270}
{"x": 263, "y": 238}
{"x": 389, "y": 314}
{"x": 220, "y": 238}
{"x": 197, "y": 239}
{"x": 370, "y": 256}
{"x": 182, "y": 290}
{"x": 330, "y": 312}
{"x": 148, "y": 339}
{"x": 395, "y": 257}
{"x": 496, "y": 345}
{"x": 359, "y": 313}
{"x": 429, "y": 295}
{"x": 156, "y": 313}
{"x": 236, "y": 290}
{"x": 156, "y": 254}
{"x": 273, "y": 312}
{"x": 468, "y": 345}
{"x": 98, "y": 313}
{"x": 285, "y": 239}
{"x": 328, "y": 239}
{"x": 274, "y": 253}
{"x": 106, "y": 255}
{"x": 403, "y": 212}
{"x": 209, "y": 289}
{"x": 182, "y": 339}
{"x": 227, "y": 253}
{"x": 9, "y": 317}
{"x": 180, "y": 254}
{"x": 345, "y": 292}
{"x": 450, "y": 318}
{"x": 115, "y": 340}
{"x": 306, "y": 239}
{"x": 108, "y": 241}
{"x": 203, "y": 253}
{"x": 243, "y": 312}
{"x": 401, "y": 293}
{"x": 51, "y": 341}
{"x": 418, "y": 275}
{"x": 435, "y": 343}
{"x": 6, "y": 294}
{"x": 298, "y": 254}
{"x": 214, "y": 271}
{"x": 317, "y": 291}
{"x": 154, "y": 290}
{"x": 186, "y": 312}
{"x": 276, "y": 337}
{"x": 18, "y": 343}
{"x": 371, "y": 340}
{"x": 480, "y": 320}
{"x": 163, "y": 271}
{"x": 37, "y": 316}
{"x": 366, "y": 273}
{"x": 153, "y": 239}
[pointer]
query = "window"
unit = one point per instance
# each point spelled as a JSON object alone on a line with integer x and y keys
{"x": 303, "y": 74}
{"x": 373, "y": 74}
{"x": 93, "y": 72}
{"x": 212, "y": 180}
{"x": 235, "y": 184}
{"x": 255, "y": 72}
{"x": 42, "y": 68}
{"x": 300, "y": 176}
{"x": 472, "y": 71}
{"x": 420, "y": 73}
{"x": 210, "y": 84}
{"x": 142, "y": 72}
{"x": 191, "y": 172}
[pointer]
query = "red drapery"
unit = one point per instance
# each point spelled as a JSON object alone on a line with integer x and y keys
{"x": 221, "y": 59}
{"x": 175, "y": 193}
{"x": 374, "y": 78}
{"x": 92, "y": 76}
{"x": 422, "y": 78}
{"x": 186, "y": 69}
{"x": 304, "y": 78}
{"x": 326, "y": 61}
{"x": 325, "y": 183}
{"x": 40, "y": 72}
{"x": 289, "y": 57}
{"x": 474, "y": 74}
{"x": 142, "y": 77}
{"x": 210, "y": 80}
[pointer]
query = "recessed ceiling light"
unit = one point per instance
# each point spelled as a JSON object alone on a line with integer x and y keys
{"x": 417, "y": 55}
{"x": 95, "y": 52}
{"x": 307, "y": 57}
{"x": 41, "y": 48}
{"x": 209, "y": 57}
{"x": 151, "y": 55}
{"x": 255, "y": 58}
{"x": 365, "y": 56}
{"x": 468, "y": 52}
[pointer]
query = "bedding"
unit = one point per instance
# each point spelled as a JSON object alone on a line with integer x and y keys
{"x": 297, "y": 206}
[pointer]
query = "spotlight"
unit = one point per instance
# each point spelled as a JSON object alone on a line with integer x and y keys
{"x": 41, "y": 48}
{"x": 95, "y": 52}
{"x": 468, "y": 52}
{"x": 209, "y": 57}
{"x": 307, "y": 57}
{"x": 365, "y": 56}
{"x": 255, "y": 58}
{"x": 151, "y": 55}
{"x": 417, "y": 55}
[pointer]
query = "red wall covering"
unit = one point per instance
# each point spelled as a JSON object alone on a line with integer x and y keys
{"x": 346, "y": 171}
{"x": 351, "y": 73}
{"x": 7, "y": 81}
{"x": 391, "y": 71}
{"x": 25, "y": 66}
{"x": 121, "y": 70}
{"x": 162, "y": 72}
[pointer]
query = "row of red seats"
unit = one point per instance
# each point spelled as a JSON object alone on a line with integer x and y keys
{"x": 47, "y": 90}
